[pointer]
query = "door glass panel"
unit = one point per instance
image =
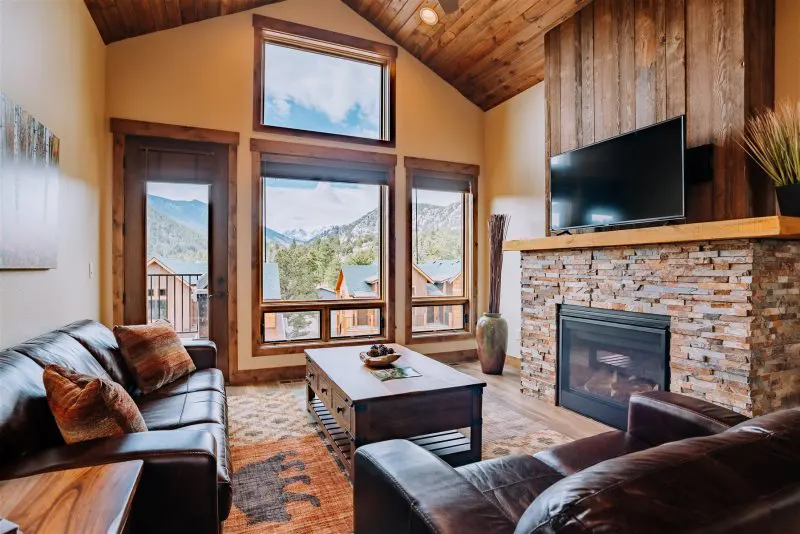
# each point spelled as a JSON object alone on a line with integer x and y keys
{"x": 177, "y": 257}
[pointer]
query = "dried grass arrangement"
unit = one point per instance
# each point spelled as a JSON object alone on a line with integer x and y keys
{"x": 772, "y": 139}
{"x": 498, "y": 230}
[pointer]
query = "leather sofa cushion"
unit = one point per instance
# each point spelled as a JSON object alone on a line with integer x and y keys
{"x": 164, "y": 413}
{"x": 202, "y": 380}
{"x": 578, "y": 455}
{"x": 224, "y": 467}
{"x": 100, "y": 342}
{"x": 746, "y": 479}
{"x": 154, "y": 353}
{"x": 26, "y": 423}
{"x": 58, "y": 348}
{"x": 510, "y": 482}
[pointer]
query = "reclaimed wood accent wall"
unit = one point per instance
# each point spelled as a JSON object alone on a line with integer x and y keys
{"x": 618, "y": 65}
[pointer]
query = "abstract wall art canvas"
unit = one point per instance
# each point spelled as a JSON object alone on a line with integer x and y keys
{"x": 29, "y": 175}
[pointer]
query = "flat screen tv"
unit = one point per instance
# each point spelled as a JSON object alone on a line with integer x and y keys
{"x": 636, "y": 177}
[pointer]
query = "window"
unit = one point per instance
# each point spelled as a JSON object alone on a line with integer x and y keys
{"x": 318, "y": 83}
{"x": 441, "y": 244}
{"x": 323, "y": 243}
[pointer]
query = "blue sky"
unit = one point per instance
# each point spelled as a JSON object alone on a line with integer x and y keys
{"x": 312, "y": 91}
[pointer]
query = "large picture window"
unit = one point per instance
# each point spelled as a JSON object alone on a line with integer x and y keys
{"x": 323, "y": 246}
{"x": 441, "y": 244}
{"x": 320, "y": 83}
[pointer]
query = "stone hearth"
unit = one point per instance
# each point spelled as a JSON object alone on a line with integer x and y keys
{"x": 734, "y": 308}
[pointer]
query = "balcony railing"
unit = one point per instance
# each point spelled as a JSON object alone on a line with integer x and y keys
{"x": 174, "y": 297}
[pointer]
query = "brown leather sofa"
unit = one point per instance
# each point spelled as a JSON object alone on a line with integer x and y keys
{"x": 682, "y": 466}
{"x": 185, "y": 484}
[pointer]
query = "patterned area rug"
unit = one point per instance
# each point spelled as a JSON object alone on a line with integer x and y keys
{"x": 287, "y": 481}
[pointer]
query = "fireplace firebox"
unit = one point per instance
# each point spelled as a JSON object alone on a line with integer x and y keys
{"x": 605, "y": 356}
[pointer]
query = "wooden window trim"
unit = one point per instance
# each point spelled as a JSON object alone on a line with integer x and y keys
{"x": 459, "y": 171}
{"x": 387, "y": 52}
{"x": 316, "y": 155}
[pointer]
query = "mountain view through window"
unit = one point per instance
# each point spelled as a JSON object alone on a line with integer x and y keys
{"x": 437, "y": 255}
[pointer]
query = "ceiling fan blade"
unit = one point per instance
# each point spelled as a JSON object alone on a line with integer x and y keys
{"x": 449, "y": 6}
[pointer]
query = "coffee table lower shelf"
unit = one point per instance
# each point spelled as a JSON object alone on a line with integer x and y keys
{"x": 451, "y": 445}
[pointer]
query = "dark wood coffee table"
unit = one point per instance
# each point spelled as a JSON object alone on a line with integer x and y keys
{"x": 354, "y": 408}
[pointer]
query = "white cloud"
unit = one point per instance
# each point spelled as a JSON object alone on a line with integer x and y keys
{"x": 330, "y": 85}
{"x": 290, "y": 208}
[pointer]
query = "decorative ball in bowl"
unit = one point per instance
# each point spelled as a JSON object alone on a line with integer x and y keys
{"x": 379, "y": 356}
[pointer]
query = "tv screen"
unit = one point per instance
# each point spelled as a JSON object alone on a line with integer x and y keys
{"x": 636, "y": 177}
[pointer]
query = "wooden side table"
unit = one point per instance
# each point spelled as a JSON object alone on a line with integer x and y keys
{"x": 86, "y": 500}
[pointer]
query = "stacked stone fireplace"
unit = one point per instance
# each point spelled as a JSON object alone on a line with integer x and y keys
{"x": 733, "y": 308}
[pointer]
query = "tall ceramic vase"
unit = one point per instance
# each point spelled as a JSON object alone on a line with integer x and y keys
{"x": 492, "y": 335}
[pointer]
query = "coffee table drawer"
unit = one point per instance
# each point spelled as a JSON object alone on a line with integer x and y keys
{"x": 312, "y": 375}
{"x": 324, "y": 390}
{"x": 341, "y": 411}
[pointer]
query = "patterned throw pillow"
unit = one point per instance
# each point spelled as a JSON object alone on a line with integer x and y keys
{"x": 154, "y": 353}
{"x": 87, "y": 407}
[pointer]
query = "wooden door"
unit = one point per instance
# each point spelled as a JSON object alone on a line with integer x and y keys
{"x": 176, "y": 237}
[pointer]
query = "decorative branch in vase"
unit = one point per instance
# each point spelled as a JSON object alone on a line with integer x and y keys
{"x": 492, "y": 328}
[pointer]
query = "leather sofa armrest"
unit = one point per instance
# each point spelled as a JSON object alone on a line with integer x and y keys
{"x": 400, "y": 488}
{"x": 661, "y": 417}
{"x": 178, "y": 488}
{"x": 203, "y": 353}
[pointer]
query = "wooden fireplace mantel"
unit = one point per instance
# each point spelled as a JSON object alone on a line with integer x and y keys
{"x": 774, "y": 227}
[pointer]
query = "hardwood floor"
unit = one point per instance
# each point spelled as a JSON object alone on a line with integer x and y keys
{"x": 504, "y": 389}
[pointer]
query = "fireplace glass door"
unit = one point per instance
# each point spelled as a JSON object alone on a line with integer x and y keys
{"x": 607, "y": 356}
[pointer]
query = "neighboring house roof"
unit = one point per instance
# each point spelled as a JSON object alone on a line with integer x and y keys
{"x": 441, "y": 270}
{"x": 183, "y": 267}
{"x": 271, "y": 281}
{"x": 434, "y": 291}
{"x": 325, "y": 293}
{"x": 357, "y": 277}
{"x": 187, "y": 269}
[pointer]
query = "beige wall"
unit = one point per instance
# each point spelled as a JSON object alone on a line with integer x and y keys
{"x": 787, "y": 49}
{"x": 52, "y": 62}
{"x": 514, "y": 173}
{"x": 201, "y": 75}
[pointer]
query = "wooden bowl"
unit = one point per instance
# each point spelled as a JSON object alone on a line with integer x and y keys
{"x": 379, "y": 361}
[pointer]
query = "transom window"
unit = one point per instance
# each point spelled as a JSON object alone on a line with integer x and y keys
{"x": 323, "y": 275}
{"x": 442, "y": 288}
{"x": 320, "y": 83}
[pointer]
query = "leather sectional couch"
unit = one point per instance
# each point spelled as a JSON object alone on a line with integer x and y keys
{"x": 682, "y": 466}
{"x": 185, "y": 484}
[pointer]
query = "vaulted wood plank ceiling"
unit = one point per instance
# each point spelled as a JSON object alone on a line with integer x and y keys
{"x": 490, "y": 50}
{"x": 123, "y": 19}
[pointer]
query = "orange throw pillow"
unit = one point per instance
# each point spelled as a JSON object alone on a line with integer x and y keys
{"x": 87, "y": 407}
{"x": 154, "y": 353}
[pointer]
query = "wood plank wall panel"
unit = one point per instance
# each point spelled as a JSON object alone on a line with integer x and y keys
{"x": 606, "y": 69}
{"x": 618, "y": 65}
